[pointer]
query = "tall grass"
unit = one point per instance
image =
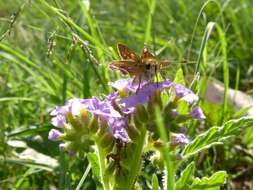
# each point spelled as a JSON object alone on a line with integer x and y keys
{"x": 213, "y": 35}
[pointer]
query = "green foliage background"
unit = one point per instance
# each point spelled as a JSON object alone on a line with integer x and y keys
{"x": 43, "y": 65}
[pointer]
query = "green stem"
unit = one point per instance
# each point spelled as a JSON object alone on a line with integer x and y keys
{"x": 170, "y": 169}
{"x": 79, "y": 186}
{"x": 135, "y": 165}
{"x": 126, "y": 177}
{"x": 169, "y": 164}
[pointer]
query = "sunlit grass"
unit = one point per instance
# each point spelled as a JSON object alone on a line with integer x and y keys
{"x": 213, "y": 37}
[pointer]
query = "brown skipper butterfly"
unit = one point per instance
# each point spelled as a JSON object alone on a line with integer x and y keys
{"x": 142, "y": 68}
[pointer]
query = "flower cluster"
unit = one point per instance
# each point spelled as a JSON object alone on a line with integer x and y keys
{"x": 76, "y": 119}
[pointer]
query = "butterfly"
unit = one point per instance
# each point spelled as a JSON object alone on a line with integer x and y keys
{"x": 142, "y": 68}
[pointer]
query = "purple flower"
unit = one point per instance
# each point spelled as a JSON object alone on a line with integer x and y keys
{"x": 197, "y": 113}
{"x": 117, "y": 127}
{"x": 62, "y": 147}
{"x": 123, "y": 84}
{"x": 58, "y": 121}
{"x": 76, "y": 105}
{"x": 183, "y": 130}
{"x": 184, "y": 93}
{"x": 59, "y": 110}
{"x": 105, "y": 110}
{"x": 54, "y": 135}
{"x": 112, "y": 97}
{"x": 143, "y": 95}
{"x": 95, "y": 106}
{"x": 174, "y": 113}
{"x": 179, "y": 139}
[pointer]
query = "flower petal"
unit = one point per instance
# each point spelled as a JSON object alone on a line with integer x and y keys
{"x": 197, "y": 113}
{"x": 54, "y": 135}
{"x": 58, "y": 121}
{"x": 184, "y": 93}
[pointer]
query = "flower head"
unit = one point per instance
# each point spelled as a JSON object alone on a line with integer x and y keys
{"x": 183, "y": 130}
{"x": 143, "y": 95}
{"x": 95, "y": 106}
{"x": 58, "y": 120}
{"x": 179, "y": 139}
{"x": 62, "y": 147}
{"x": 197, "y": 113}
{"x": 54, "y": 135}
{"x": 174, "y": 113}
{"x": 184, "y": 93}
{"x": 123, "y": 85}
{"x": 59, "y": 110}
{"x": 118, "y": 128}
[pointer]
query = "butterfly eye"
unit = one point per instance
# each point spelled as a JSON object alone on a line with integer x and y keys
{"x": 148, "y": 66}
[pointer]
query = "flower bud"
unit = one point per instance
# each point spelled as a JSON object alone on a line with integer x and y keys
{"x": 93, "y": 125}
{"x": 183, "y": 130}
{"x": 74, "y": 121}
{"x": 62, "y": 147}
{"x": 54, "y": 135}
{"x": 133, "y": 132}
{"x": 141, "y": 114}
{"x": 103, "y": 128}
{"x": 156, "y": 99}
{"x": 107, "y": 140}
{"x": 84, "y": 116}
{"x": 178, "y": 139}
{"x": 197, "y": 113}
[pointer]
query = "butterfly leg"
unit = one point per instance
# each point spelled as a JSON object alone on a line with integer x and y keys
{"x": 139, "y": 83}
{"x": 156, "y": 76}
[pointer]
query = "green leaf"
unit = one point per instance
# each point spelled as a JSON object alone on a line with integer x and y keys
{"x": 186, "y": 178}
{"x": 93, "y": 159}
{"x": 179, "y": 78}
{"x": 33, "y": 159}
{"x": 214, "y": 182}
{"x": 216, "y": 135}
{"x": 155, "y": 184}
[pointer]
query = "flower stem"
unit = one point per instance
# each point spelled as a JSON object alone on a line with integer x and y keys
{"x": 135, "y": 165}
{"x": 169, "y": 165}
{"x": 126, "y": 179}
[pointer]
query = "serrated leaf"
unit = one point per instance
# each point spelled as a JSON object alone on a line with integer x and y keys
{"x": 216, "y": 135}
{"x": 186, "y": 177}
{"x": 214, "y": 182}
{"x": 93, "y": 159}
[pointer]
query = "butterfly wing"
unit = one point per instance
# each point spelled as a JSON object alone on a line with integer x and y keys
{"x": 127, "y": 67}
{"x": 127, "y": 54}
{"x": 163, "y": 65}
{"x": 146, "y": 54}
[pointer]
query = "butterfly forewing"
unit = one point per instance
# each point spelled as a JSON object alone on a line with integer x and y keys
{"x": 146, "y": 54}
{"x": 127, "y": 54}
{"x": 127, "y": 67}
